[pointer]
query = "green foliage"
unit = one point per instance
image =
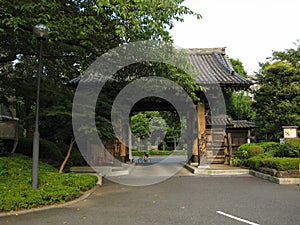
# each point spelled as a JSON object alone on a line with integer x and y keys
{"x": 294, "y": 142}
{"x": 239, "y": 103}
{"x": 238, "y": 67}
{"x": 143, "y": 124}
{"x": 267, "y": 154}
{"x": 47, "y": 151}
{"x": 140, "y": 123}
{"x": 281, "y": 164}
{"x": 159, "y": 152}
{"x": 168, "y": 152}
{"x": 248, "y": 150}
{"x": 254, "y": 162}
{"x": 277, "y": 101}
{"x": 269, "y": 146}
{"x": 243, "y": 150}
{"x": 290, "y": 149}
{"x": 76, "y": 158}
{"x": 255, "y": 150}
{"x": 237, "y": 162}
{"x": 16, "y": 192}
{"x": 2, "y": 149}
{"x": 80, "y": 31}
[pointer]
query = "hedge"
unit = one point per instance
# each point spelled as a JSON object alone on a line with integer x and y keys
{"x": 158, "y": 152}
{"x": 290, "y": 149}
{"x": 281, "y": 164}
{"x": 47, "y": 150}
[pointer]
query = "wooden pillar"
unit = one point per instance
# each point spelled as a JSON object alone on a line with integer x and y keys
{"x": 230, "y": 147}
{"x": 129, "y": 143}
{"x": 201, "y": 119}
{"x": 201, "y": 129}
{"x": 122, "y": 152}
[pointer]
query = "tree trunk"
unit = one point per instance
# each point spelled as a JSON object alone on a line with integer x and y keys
{"x": 16, "y": 141}
{"x": 61, "y": 169}
{"x": 174, "y": 143}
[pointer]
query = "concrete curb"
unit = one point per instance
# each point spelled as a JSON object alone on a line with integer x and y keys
{"x": 227, "y": 172}
{"x": 215, "y": 172}
{"x": 109, "y": 171}
{"x": 275, "y": 179}
{"x": 84, "y": 196}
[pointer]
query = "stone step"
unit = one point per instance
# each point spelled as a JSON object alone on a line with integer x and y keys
{"x": 103, "y": 170}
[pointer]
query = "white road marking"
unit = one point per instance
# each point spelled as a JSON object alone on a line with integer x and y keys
{"x": 236, "y": 218}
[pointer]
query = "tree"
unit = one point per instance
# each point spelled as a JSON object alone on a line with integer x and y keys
{"x": 79, "y": 32}
{"x": 140, "y": 123}
{"x": 238, "y": 67}
{"x": 277, "y": 101}
{"x": 239, "y": 103}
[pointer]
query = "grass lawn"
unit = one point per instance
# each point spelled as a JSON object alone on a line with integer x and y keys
{"x": 17, "y": 193}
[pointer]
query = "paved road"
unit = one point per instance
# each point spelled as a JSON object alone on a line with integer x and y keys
{"x": 179, "y": 200}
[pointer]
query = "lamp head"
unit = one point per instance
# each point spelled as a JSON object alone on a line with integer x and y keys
{"x": 40, "y": 31}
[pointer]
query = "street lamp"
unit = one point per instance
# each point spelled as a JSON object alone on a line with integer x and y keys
{"x": 40, "y": 31}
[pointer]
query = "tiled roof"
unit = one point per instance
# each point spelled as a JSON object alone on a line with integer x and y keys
{"x": 212, "y": 67}
{"x": 215, "y": 68}
{"x": 217, "y": 121}
{"x": 225, "y": 121}
{"x": 243, "y": 124}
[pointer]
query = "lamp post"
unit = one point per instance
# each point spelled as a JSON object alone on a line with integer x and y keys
{"x": 40, "y": 31}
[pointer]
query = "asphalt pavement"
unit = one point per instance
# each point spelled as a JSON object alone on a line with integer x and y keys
{"x": 181, "y": 199}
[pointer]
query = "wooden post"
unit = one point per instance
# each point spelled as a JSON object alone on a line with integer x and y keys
{"x": 230, "y": 148}
{"x": 129, "y": 144}
{"x": 201, "y": 130}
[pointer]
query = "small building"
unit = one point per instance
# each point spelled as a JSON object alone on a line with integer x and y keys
{"x": 218, "y": 136}
{"x": 9, "y": 124}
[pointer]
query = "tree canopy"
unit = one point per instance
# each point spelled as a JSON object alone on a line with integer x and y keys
{"x": 239, "y": 103}
{"x": 277, "y": 100}
{"x": 80, "y": 31}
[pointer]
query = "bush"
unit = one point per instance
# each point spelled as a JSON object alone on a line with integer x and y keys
{"x": 281, "y": 164}
{"x": 237, "y": 162}
{"x": 269, "y": 146}
{"x": 159, "y": 152}
{"x": 254, "y": 162}
{"x": 15, "y": 184}
{"x": 255, "y": 150}
{"x": 76, "y": 158}
{"x": 290, "y": 149}
{"x": 48, "y": 151}
{"x": 242, "y": 151}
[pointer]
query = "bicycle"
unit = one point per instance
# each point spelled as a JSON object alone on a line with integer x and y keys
{"x": 142, "y": 160}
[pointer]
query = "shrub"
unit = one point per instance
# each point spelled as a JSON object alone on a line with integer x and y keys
{"x": 242, "y": 151}
{"x": 281, "y": 164}
{"x": 254, "y": 162}
{"x": 237, "y": 162}
{"x": 159, "y": 152}
{"x": 290, "y": 149}
{"x": 48, "y": 151}
{"x": 246, "y": 151}
{"x": 76, "y": 158}
{"x": 269, "y": 146}
{"x": 255, "y": 150}
{"x": 15, "y": 185}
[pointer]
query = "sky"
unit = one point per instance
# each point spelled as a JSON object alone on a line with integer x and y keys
{"x": 249, "y": 29}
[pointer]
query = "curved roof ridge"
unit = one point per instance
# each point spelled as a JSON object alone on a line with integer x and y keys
{"x": 200, "y": 51}
{"x": 214, "y": 66}
{"x": 222, "y": 63}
